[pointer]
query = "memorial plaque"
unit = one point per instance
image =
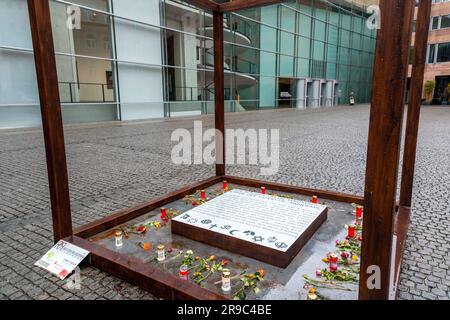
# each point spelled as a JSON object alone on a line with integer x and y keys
{"x": 267, "y": 228}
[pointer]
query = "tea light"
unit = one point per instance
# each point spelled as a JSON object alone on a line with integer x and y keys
{"x": 263, "y": 190}
{"x": 163, "y": 213}
{"x": 334, "y": 259}
{"x": 226, "y": 280}
{"x": 359, "y": 212}
{"x": 312, "y": 297}
{"x": 161, "y": 253}
{"x": 351, "y": 231}
{"x": 225, "y": 186}
{"x": 119, "y": 239}
{"x": 184, "y": 272}
{"x": 315, "y": 200}
{"x": 203, "y": 195}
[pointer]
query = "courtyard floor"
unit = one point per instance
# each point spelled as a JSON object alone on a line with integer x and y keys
{"x": 114, "y": 166}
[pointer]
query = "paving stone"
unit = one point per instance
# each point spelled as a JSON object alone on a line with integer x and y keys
{"x": 113, "y": 167}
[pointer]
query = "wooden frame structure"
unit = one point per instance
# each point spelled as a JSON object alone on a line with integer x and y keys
{"x": 385, "y": 222}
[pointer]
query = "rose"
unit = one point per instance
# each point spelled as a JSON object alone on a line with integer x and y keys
{"x": 318, "y": 272}
{"x": 142, "y": 229}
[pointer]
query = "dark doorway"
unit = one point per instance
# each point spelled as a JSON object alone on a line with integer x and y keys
{"x": 286, "y": 93}
{"x": 442, "y": 91}
{"x": 171, "y": 71}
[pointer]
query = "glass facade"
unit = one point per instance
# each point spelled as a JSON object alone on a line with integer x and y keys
{"x": 154, "y": 58}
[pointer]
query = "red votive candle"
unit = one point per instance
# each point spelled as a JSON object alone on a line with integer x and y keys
{"x": 359, "y": 212}
{"x": 351, "y": 231}
{"x": 184, "y": 272}
{"x": 315, "y": 200}
{"x": 163, "y": 213}
{"x": 263, "y": 190}
{"x": 334, "y": 259}
{"x": 225, "y": 186}
{"x": 203, "y": 195}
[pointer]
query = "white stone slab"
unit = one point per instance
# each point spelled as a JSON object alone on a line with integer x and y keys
{"x": 266, "y": 220}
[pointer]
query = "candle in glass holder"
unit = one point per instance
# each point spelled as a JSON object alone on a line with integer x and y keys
{"x": 351, "y": 231}
{"x": 359, "y": 212}
{"x": 119, "y": 239}
{"x": 226, "y": 280}
{"x": 315, "y": 200}
{"x": 161, "y": 251}
{"x": 334, "y": 260}
{"x": 184, "y": 272}
{"x": 203, "y": 195}
{"x": 263, "y": 190}
{"x": 163, "y": 213}
{"x": 312, "y": 297}
{"x": 225, "y": 186}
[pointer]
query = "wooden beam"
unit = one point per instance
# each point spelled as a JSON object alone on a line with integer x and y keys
{"x": 402, "y": 221}
{"x": 152, "y": 279}
{"x": 127, "y": 215}
{"x": 412, "y": 124}
{"x": 246, "y": 4}
{"x": 219, "y": 88}
{"x": 44, "y": 55}
{"x": 204, "y": 4}
{"x": 324, "y": 194}
{"x": 386, "y": 119}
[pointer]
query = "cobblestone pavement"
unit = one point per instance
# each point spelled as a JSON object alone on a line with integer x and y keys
{"x": 113, "y": 166}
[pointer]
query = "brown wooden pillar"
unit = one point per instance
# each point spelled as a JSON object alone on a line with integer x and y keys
{"x": 44, "y": 54}
{"x": 412, "y": 124}
{"x": 386, "y": 117}
{"x": 219, "y": 91}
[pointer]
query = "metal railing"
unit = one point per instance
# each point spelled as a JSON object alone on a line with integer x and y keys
{"x": 77, "y": 92}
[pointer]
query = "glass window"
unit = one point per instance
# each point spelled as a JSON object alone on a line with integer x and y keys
{"x": 445, "y": 21}
{"x": 287, "y": 43}
{"x": 345, "y": 38}
{"x": 80, "y": 79}
{"x": 333, "y": 35}
{"x": 304, "y": 47}
{"x": 443, "y": 54}
{"x": 434, "y": 23}
{"x": 319, "y": 52}
{"x": 331, "y": 53}
{"x": 431, "y": 53}
{"x": 287, "y": 19}
{"x": 286, "y": 66}
{"x": 305, "y": 25}
{"x": 303, "y": 68}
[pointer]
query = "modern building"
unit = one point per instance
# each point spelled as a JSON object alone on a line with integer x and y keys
{"x": 438, "y": 56}
{"x": 143, "y": 59}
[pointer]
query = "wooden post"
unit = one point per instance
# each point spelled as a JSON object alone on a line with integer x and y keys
{"x": 219, "y": 91}
{"x": 44, "y": 55}
{"x": 386, "y": 117}
{"x": 412, "y": 124}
